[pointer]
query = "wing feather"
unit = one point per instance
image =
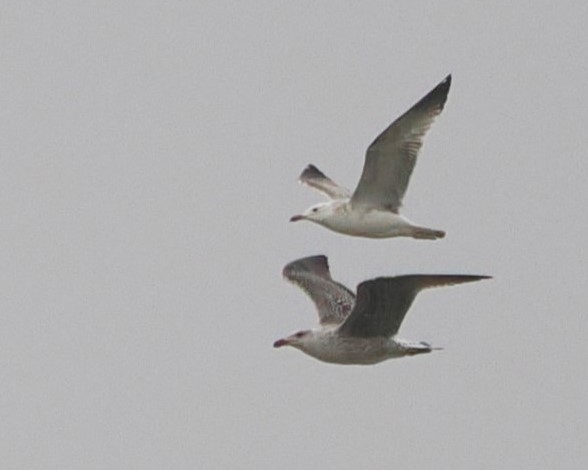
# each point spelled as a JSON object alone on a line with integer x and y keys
{"x": 316, "y": 179}
{"x": 333, "y": 300}
{"x": 391, "y": 157}
{"x": 382, "y": 303}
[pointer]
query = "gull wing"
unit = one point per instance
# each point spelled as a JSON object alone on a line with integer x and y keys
{"x": 332, "y": 300}
{"x": 382, "y": 303}
{"x": 316, "y": 179}
{"x": 390, "y": 158}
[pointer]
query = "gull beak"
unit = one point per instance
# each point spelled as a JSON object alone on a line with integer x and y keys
{"x": 296, "y": 218}
{"x": 281, "y": 342}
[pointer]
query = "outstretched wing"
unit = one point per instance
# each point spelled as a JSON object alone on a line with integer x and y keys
{"x": 382, "y": 303}
{"x": 316, "y": 179}
{"x": 390, "y": 158}
{"x": 332, "y": 300}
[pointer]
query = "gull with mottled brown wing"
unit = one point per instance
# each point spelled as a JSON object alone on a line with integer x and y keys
{"x": 359, "y": 330}
{"x": 372, "y": 210}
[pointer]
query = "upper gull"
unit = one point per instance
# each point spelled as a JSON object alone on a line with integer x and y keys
{"x": 372, "y": 210}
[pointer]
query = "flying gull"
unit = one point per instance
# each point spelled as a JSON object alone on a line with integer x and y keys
{"x": 372, "y": 210}
{"x": 362, "y": 329}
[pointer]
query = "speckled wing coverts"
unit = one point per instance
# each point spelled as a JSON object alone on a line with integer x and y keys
{"x": 333, "y": 301}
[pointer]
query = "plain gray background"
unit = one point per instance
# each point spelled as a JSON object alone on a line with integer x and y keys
{"x": 149, "y": 154}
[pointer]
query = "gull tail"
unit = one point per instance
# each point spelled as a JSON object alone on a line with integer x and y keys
{"x": 423, "y": 233}
{"x": 421, "y": 348}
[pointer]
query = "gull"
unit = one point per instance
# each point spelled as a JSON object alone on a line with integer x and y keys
{"x": 372, "y": 210}
{"x": 362, "y": 329}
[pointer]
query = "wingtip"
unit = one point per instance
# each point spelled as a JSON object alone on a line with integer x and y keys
{"x": 445, "y": 84}
{"x": 478, "y": 277}
{"x": 474, "y": 278}
{"x": 314, "y": 263}
{"x": 436, "y": 98}
{"x": 311, "y": 171}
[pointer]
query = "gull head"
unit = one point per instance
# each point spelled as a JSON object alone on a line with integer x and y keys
{"x": 317, "y": 213}
{"x": 297, "y": 340}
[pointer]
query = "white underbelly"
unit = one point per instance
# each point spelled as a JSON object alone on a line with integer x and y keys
{"x": 357, "y": 351}
{"x": 372, "y": 224}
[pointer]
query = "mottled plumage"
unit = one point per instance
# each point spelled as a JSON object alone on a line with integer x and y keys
{"x": 362, "y": 329}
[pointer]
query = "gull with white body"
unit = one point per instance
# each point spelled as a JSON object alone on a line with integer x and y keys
{"x": 359, "y": 329}
{"x": 372, "y": 210}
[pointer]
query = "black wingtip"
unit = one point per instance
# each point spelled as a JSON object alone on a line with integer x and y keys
{"x": 443, "y": 88}
{"x": 470, "y": 277}
{"x": 437, "y": 96}
{"x": 444, "y": 84}
{"x": 311, "y": 172}
{"x": 477, "y": 277}
{"x": 317, "y": 264}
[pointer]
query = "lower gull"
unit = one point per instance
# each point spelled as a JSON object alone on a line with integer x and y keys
{"x": 359, "y": 329}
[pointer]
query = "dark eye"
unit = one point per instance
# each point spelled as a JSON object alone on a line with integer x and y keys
{"x": 300, "y": 334}
{"x": 315, "y": 209}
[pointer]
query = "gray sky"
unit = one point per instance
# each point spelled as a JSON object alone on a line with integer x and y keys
{"x": 149, "y": 160}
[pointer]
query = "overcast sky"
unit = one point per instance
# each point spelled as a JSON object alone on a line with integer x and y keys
{"x": 149, "y": 160}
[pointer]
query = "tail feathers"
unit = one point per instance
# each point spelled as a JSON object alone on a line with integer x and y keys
{"x": 421, "y": 348}
{"x": 423, "y": 233}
